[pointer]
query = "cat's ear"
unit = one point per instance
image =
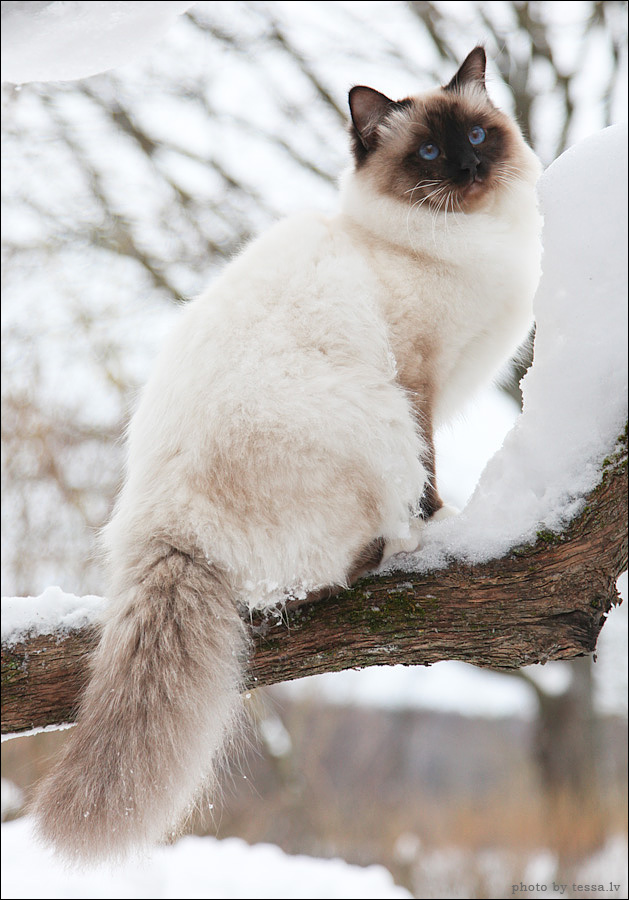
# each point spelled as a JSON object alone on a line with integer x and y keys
{"x": 368, "y": 108}
{"x": 471, "y": 71}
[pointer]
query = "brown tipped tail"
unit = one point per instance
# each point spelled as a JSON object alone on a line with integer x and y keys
{"x": 162, "y": 699}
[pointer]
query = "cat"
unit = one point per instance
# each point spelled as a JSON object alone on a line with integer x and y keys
{"x": 284, "y": 443}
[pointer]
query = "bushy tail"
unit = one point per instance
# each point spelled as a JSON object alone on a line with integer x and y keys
{"x": 162, "y": 699}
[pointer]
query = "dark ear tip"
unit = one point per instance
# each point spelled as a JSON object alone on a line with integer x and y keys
{"x": 366, "y": 103}
{"x": 358, "y": 89}
{"x": 471, "y": 70}
{"x": 478, "y": 55}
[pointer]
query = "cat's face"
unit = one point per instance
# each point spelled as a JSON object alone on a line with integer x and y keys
{"x": 449, "y": 149}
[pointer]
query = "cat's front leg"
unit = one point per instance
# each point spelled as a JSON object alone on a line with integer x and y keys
{"x": 417, "y": 525}
{"x": 431, "y": 503}
{"x": 431, "y": 508}
{"x": 408, "y": 544}
{"x": 445, "y": 511}
{"x": 379, "y": 551}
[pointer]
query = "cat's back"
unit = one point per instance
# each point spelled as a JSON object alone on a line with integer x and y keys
{"x": 288, "y": 339}
{"x": 305, "y": 273}
{"x": 299, "y": 299}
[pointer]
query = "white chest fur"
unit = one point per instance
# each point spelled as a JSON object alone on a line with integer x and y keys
{"x": 457, "y": 288}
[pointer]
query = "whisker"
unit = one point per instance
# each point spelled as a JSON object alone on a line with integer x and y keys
{"x": 419, "y": 184}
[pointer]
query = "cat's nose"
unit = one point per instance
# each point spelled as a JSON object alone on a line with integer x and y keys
{"x": 470, "y": 164}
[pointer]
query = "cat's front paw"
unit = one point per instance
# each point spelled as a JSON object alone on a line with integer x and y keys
{"x": 397, "y": 546}
{"x": 445, "y": 512}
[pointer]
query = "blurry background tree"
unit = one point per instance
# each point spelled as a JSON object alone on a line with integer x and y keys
{"x": 124, "y": 192}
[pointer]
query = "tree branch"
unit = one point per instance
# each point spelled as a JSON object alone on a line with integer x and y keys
{"x": 540, "y": 602}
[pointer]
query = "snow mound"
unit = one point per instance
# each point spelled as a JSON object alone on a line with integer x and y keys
{"x": 53, "y": 612}
{"x": 64, "y": 41}
{"x": 193, "y": 867}
{"x": 575, "y": 394}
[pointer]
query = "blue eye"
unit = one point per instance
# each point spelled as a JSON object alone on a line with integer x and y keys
{"x": 429, "y": 151}
{"x": 476, "y": 135}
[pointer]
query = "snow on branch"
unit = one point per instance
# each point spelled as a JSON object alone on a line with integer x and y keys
{"x": 547, "y": 600}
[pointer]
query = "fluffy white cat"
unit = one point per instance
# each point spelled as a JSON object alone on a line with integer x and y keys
{"x": 284, "y": 442}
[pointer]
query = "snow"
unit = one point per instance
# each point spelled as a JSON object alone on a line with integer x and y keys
{"x": 40, "y": 729}
{"x": 69, "y": 40}
{"x": 193, "y": 867}
{"x": 575, "y": 394}
{"x": 208, "y": 868}
{"x": 53, "y": 612}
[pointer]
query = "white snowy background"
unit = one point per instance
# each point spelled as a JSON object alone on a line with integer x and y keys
{"x": 574, "y": 407}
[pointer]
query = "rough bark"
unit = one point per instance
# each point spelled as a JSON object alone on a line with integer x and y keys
{"x": 540, "y": 602}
